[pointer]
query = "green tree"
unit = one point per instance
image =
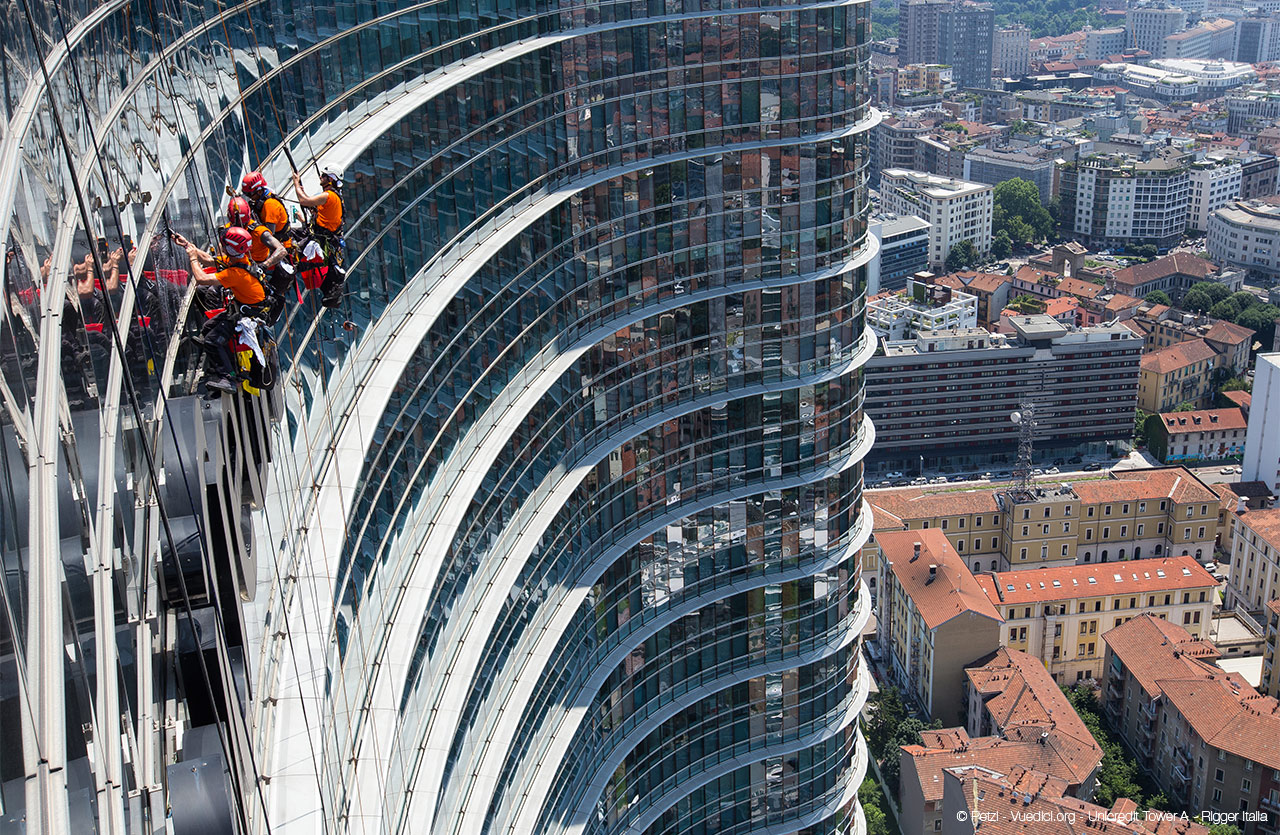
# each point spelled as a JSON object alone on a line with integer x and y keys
{"x": 1213, "y": 289}
{"x": 1158, "y": 297}
{"x": 1147, "y": 251}
{"x": 1185, "y": 406}
{"x": 1261, "y": 319}
{"x": 962, "y": 256}
{"x": 1197, "y": 300}
{"x": 872, "y": 800}
{"x": 1019, "y": 211}
{"x": 1001, "y": 245}
{"x": 1026, "y": 304}
{"x": 1225, "y": 309}
{"x": 1140, "y": 426}
{"x": 1243, "y": 300}
{"x": 884, "y": 713}
{"x": 1223, "y": 829}
{"x": 907, "y": 733}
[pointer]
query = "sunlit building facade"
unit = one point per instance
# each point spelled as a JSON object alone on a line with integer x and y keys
{"x": 552, "y": 526}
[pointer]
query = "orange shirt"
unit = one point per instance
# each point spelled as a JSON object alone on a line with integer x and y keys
{"x": 246, "y": 288}
{"x": 329, "y": 215}
{"x": 276, "y": 216}
{"x": 258, "y": 250}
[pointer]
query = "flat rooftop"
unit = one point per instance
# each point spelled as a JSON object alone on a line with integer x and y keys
{"x": 1038, "y": 326}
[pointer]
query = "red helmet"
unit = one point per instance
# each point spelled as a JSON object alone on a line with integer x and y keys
{"x": 236, "y": 241}
{"x": 238, "y": 212}
{"x": 254, "y": 184}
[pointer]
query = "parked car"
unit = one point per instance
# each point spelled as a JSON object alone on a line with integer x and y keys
{"x": 894, "y": 474}
{"x": 1092, "y": 468}
{"x": 1053, "y": 471}
{"x": 939, "y": 480}
{"x": 1077, "y": 459}
{"x": 1227, "y": 470}
{"x": 1037, "y": 471}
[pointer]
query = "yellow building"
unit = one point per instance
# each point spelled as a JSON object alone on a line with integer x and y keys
{"x": 1125, "y": 515}
{"x": 933, "y": 619}
{"x": 1059, "y": 614}
{"x": 1181, "y": 373}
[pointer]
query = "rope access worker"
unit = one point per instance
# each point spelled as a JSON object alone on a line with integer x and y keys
{"x": 327, "y": 229}
{"x": 270, "y": 209}
{"x": 233, "y": 272}
{"x": 266, "y": 251}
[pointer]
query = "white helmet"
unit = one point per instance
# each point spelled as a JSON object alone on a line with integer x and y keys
{"x": 331, "y": 174}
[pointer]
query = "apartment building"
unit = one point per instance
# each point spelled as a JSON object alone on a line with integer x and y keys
{"x": 1215, "y": 182}
{"x": 1147, "y": 28}
{"x": 1101, "y": 44}
{"x": 1121, "y": 201}
{"x": 1205, "y": 736}
{"x": 1262, "y": 442}
{"x": 918, "y": 33}
{"x": 1250, "y": 111}
{"x": 904, "y": 251}
{"x": 984, "y": 165}
{"x": 1257, "y": 39}
{"x": 893, "y": 145}
{"x": 1013, "y": 51}
{"x": 966, "y": 38}
{"x": 1258, "y": 175}
{"x": 922, "y": 307}
{"x": 1194, "y": 437}
{"x": 1178, "y": 374}
{"x": 957, "y": 210}
{"x": 972, "y": 794}
{"x": 1254, "y": 577}
{"x": 1058, "y": 615}
{"x": 1162, "y": 326}
{"x": 1173, "y": 274}
{"x": 946, "y": 397}
{"x": 1270, "y": 683}
{"x": 936, "y": 618}
{"x": 1132, "y": 514}
{"x": 1246, "y": 235}
{"x": 1014, "y": 715}
{"x": 1212, "y": 40}
{"x": 991, "y": 290}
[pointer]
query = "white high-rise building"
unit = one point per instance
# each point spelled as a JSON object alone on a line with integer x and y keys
{"x": 958, "y": 209}
{"x": 1215, "y": 182}
{"x": 1262, "y": 442}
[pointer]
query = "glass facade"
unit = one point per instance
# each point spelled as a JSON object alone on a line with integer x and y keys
{"x": 552, "y": 526}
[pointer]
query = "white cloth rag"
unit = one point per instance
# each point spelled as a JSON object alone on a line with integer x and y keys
{"x": 247, "y": 331}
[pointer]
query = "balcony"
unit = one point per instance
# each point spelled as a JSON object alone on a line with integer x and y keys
{"x": 1181, "y": 776}
{"x": 1271, "y": 802}
{"x": 1115, "y": 688}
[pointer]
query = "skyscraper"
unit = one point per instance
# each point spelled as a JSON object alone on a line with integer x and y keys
{"x": 920, "y": 21}
{"x": 552, "y": 525}
{"x": 966, "y": 36}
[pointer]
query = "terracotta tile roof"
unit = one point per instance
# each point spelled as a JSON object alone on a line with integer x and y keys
{"x": 945, "y": 738}
{"x": 1243, "y": 399}
{"x": 1041, "y": 585}
{"x": 1152, "y": 650}
{"x": 1061, "y": 306}
{"x": 1042, "y": 798}
{"x": 1077, "y": 287}
{"x": 1265, "y": 523}
{"x": 987, "y": 282}
{"x": 950, "y": 280}
{"x": 1017, "y": 691}
{"x": 1181, "y": 423}
{"x": 1229, "y": 333}
{"x": 914, "y": 504}
{"x": 1174, "y": 357}
{"x": 1175, "y": 483}
{"x": 1229, "y": 714}
{"x": 1179, "y": 263}
{"x": 952, "y": 591}
{"x": 1273, "y": 605}
{"x": 1055, "y": 754}
{"x": 1120, "y": 301}
{"x": 1035, "y": 275}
